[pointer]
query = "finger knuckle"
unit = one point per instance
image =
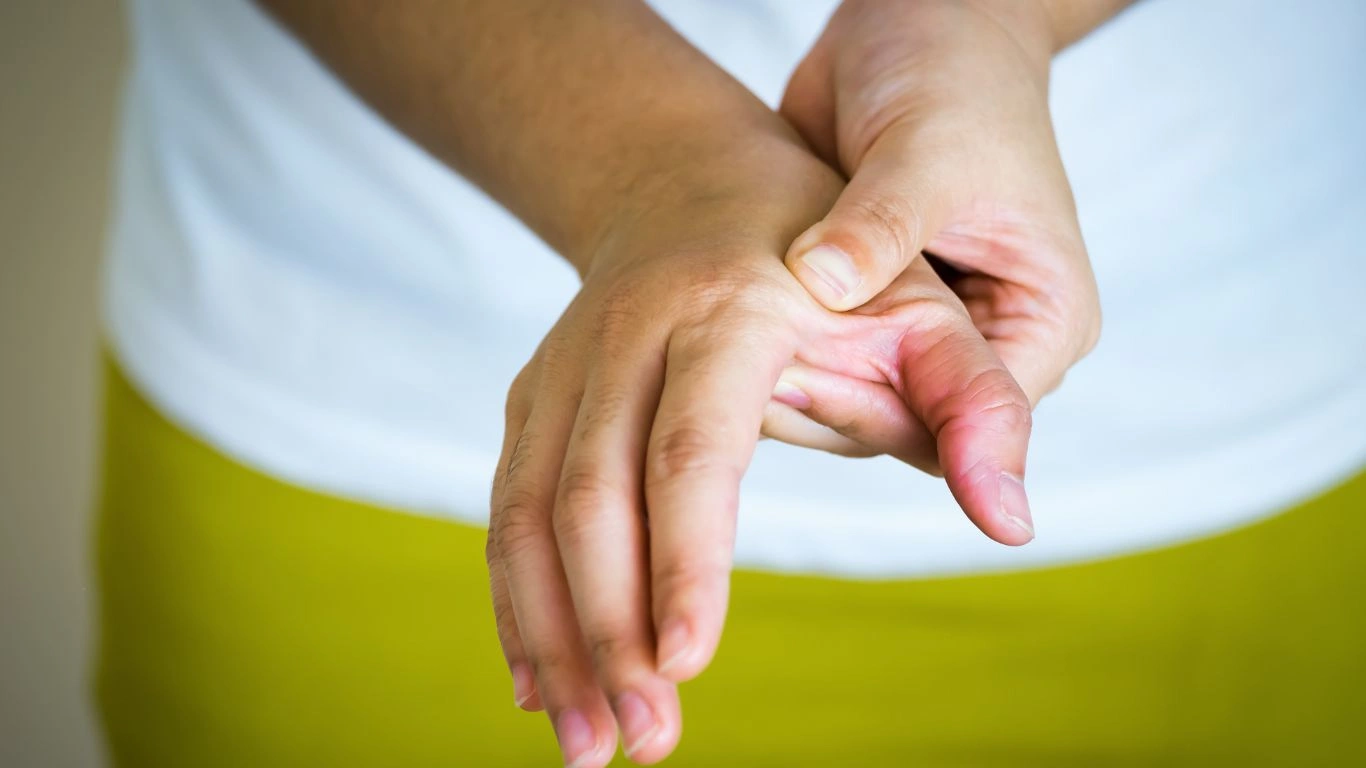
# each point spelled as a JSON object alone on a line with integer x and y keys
{"x": 611, "y": 403}
{"x": 550, "y": 663}
{"x": 619, "y": 309}
{"x": 618, "y": 319}
{"x": 520, "y": 454}
{"x": 515, "y": 407}
{"x": 520, "y": 523}
{"x": 680, "y": 583}
{"x": 583, "y": 489}
{"x": 581, "y": 497}
{"x": 559, "y": 354}
{"x": 496, "y": 488}
{"x": 701, "y": 303}
{"x": 733, "y": 328}
{"x": 893, "y": 220}
{"x": 526, "y": 375}
{"x": 683, "y": 451}
{"x": 674, "y": 578}
{"x": 607, "y": 647}
{"x": 505, "y": 622}
{"x": 490, "y": 551}
{"x": 715, "y": 286}
{"x": 995, "y": 397}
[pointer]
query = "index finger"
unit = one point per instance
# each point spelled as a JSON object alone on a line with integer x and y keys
{"x": 704, "y": 435}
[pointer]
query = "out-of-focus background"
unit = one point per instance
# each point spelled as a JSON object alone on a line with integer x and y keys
{"x": 62, "y": 63}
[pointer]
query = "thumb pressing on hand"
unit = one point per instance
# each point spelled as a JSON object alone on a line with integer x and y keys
{"x": 889, "y": 212}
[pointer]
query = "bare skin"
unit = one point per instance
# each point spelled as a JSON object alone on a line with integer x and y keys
{"x": 676, "y": 204}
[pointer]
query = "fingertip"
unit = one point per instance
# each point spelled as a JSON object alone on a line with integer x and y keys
{"x": 828, "y": 273}
{"x": 674, "y": 648}
{"x": 789, "y": 392}
{"x": 524, "y": 687}
{"x": 983, "y": 446}
{"x": 680, "y": 654}
{"x": 649, "y": 733}
{"x": 996, "y": 502}
{"x": 1014, "y": 509}
{"x": 658, "y": 747}
{"x": 581, "y": 743}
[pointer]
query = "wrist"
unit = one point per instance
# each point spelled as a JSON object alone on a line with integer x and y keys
{"x": 762, "y": 190}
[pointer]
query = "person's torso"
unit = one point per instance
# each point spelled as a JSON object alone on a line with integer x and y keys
{"x": 294, "y": 281}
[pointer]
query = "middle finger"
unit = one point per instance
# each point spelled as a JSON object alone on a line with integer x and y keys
{"x": 600, "y": 526}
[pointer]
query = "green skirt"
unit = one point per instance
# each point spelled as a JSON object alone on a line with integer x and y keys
{"x": 247, "y": 622}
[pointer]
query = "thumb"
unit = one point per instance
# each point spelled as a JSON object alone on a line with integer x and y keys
{"x": 955, "y": 383}
{"x": 890, "y": 210}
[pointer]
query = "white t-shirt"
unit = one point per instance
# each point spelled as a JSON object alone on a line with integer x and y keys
{"x": 292, "y": 280}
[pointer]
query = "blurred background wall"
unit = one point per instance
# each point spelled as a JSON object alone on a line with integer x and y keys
{"x": 61, "y": 68}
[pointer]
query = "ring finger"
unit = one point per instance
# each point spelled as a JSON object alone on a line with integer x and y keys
{"x": 539, "y": 594}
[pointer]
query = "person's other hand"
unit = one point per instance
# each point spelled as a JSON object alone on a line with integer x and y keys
{"x": 937, "y": 110}
{"x": 613, "y": 510}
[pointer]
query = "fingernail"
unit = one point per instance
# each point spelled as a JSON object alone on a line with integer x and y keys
{"x": 637, "y": 721}
{"x": 575, "y": 735}
{"x": 788, "y": 393}
{"x": 673, "y": 645}
{"x": 523, "y": 683}
{"x": 835, "y": 269}
{"x": 1015, "y": 504}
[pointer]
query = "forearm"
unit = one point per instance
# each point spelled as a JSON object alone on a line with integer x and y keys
{"x": 572, "y": 115}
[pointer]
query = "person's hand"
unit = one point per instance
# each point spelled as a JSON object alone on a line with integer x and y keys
{"x": 646, "y": 399}
{"x": 937, "y": 110}
{"x": 646, "y": 395}
{"x": 613, "y": 511}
